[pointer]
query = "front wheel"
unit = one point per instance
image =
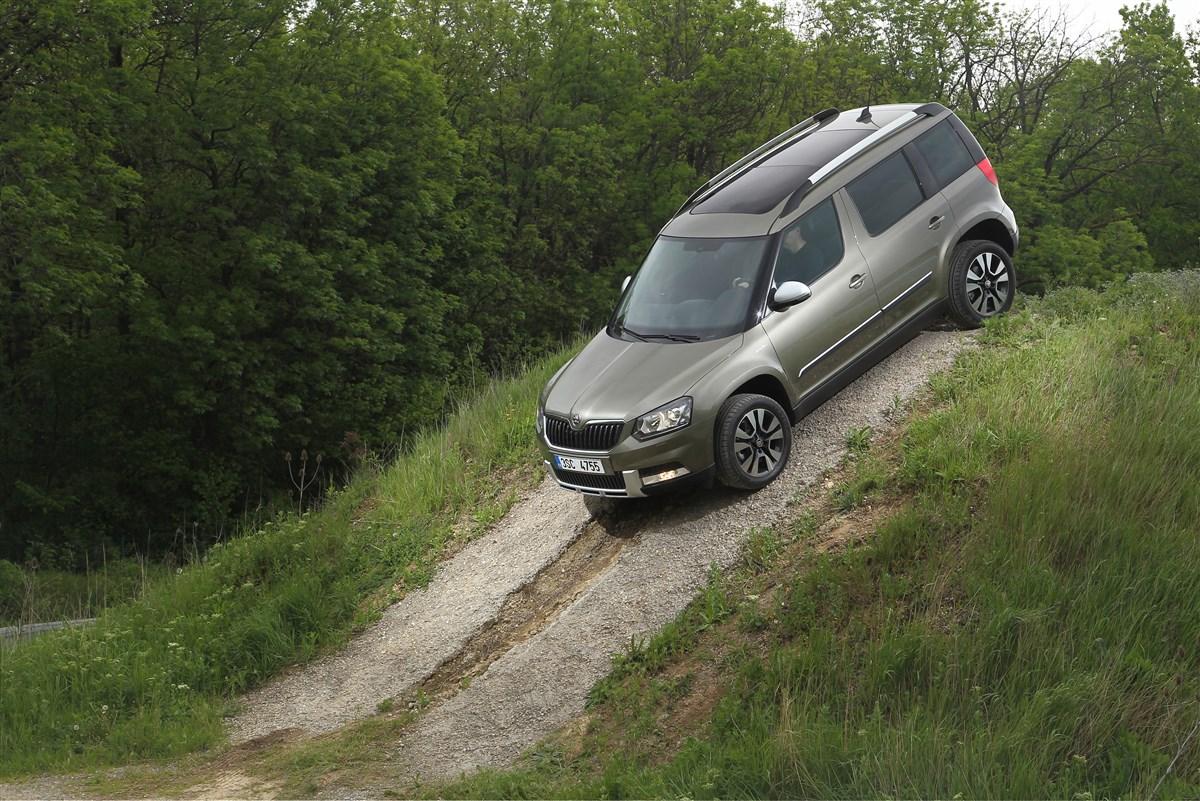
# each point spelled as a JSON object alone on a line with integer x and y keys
{"x": 982, "y": 282}
{"x": 754, "y": 440}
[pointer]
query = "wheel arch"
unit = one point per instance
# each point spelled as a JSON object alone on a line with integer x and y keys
{"x": 772, "y": 387}
{"x": 991, "y": 229}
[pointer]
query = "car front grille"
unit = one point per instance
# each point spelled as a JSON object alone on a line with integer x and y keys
{"x": 596, "y": 481}
{"x": 592, "y": 437}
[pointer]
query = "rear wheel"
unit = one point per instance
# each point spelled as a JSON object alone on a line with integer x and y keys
{"x": 982, "y": 282}
{"x": 754, "y": 440}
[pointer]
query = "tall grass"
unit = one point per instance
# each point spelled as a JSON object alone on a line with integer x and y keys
{"x": 29, "y": 595}
{"x": 1027, "y": 626}
{"x": 153, "y": 677}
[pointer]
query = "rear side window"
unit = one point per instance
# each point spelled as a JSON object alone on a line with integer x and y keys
{"x": 885, "y": 193}
{"x": 810, "y": 247}
{"x": 945, "y": 152}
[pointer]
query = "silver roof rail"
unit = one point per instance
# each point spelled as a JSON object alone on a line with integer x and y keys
{"x": 764, "y": 151}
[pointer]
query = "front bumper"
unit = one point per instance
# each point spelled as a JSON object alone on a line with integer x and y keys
{"x": 630, "y": 463}
{"x": 632, "y": 485}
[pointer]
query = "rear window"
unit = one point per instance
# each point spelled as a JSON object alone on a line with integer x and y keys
{"x": 885, "y": 193}
{"x": 945, "y": 152}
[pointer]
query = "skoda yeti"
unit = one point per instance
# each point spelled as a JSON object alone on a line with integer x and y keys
{"x": 778, "y": 282}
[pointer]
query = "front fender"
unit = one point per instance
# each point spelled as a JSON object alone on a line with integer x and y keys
{"x": 756, "y": 357}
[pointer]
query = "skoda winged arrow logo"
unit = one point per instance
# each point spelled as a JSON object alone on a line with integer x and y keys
{"x": 576, "y": 422}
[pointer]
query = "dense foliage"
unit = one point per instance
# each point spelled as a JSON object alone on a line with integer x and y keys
{"x": 235, "y": 229}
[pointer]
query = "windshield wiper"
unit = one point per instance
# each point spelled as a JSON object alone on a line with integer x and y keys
{"x": 669, "y": 337}
{"x": 623, "y": 330}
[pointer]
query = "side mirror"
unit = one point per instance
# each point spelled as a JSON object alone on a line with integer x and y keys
{"x": 625, "y": 283}
{"x": 789, "y": 293}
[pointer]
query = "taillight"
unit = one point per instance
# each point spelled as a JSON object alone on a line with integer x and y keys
{"x": 985, "y": 167}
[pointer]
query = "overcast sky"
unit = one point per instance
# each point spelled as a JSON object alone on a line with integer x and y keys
{"x": 1100, "y": 16}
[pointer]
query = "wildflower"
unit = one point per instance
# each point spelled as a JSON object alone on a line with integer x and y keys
{"x": 104, "y": 709}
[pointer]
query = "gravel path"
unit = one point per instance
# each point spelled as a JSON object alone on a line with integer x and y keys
{"x": 424, "y": 629}
{"x": 543, "y": 682}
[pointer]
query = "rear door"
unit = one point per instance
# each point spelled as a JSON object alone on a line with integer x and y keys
{"x": 841, "y": 319}
{"x": 900, "y": 224}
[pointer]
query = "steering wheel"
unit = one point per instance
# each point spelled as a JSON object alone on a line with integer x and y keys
{"x": 740, "y": 283}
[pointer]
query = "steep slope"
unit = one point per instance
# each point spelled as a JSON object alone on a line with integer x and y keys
{"x": 1000, "y": 602}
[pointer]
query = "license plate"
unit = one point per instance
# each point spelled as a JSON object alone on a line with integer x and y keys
{"x": 577, "y": 465}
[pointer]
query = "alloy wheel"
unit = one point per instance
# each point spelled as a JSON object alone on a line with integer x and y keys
{"x": 758, "y": 442}
{"x": 988, "y": 284}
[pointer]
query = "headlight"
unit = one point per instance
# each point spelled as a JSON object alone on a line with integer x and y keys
{"x": 539, "y": 419}
{"x": 668, "y": 417}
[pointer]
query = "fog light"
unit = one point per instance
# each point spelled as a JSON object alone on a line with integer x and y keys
{"x": 665, "y": 475}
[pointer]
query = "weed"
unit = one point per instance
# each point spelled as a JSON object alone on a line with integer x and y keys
{"x": 760, "y": 550}
{"x": 870, "y": 475}
{"x": 858, "y": 440}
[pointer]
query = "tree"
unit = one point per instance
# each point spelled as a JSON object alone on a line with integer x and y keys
{"x": 271, "y": 285}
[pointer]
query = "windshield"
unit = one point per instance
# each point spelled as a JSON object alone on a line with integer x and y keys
{"x": 691, "y": 289}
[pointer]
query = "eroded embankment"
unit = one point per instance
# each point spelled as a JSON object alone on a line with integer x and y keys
{"x": 503, "y": 646}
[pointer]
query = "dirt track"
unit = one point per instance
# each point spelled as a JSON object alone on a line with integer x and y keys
{"x": 528, "y": 617}
{"x": 514, "y": 630}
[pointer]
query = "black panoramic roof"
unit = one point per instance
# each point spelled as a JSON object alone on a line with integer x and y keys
{"x": 818, "y": 148}
{"x": 758, "y": 191}
{"x": 764, "y": 187}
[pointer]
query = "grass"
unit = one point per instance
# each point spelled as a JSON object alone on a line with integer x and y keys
{"x": 41, "y": 595}
{"x": 1026, "y": 623}
{"x": 154, "y": 676}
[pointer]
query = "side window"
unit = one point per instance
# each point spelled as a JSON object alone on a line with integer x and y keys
{"x": 943, "y": 148}
{"x": 885, "y": 193}
{"x": 811, "y": 246}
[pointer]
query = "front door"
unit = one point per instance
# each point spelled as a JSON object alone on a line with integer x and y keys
{"x": 841, "y": 319}
{"x": 900, "y": 230}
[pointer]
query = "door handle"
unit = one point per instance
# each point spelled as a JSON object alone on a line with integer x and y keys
{"x": 857, "y": 281}
{"x": 936, "y": 222}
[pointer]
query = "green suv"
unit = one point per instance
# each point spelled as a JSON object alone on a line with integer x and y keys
{"x": 778, "y": 282}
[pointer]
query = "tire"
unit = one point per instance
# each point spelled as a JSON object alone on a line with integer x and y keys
{"x": 753, "y": 441}
{"x": 983, "y": 282}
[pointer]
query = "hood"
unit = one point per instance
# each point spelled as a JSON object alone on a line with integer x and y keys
{"x": 612, "y": 379}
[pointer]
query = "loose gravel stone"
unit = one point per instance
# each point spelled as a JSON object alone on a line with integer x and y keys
{"x": 426, "y": 628}
{"x": 543, "y": 682}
